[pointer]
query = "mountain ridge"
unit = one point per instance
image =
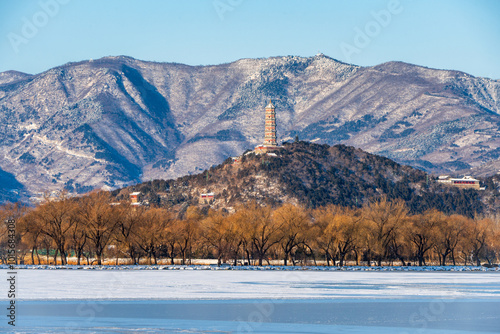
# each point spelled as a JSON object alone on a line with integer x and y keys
{"x": 116, "y": 121}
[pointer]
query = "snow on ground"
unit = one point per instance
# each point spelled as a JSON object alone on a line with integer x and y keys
{"x": 262, "y": 300}
{"x": 213, "y": 266}
{"x": 251, "y": 284}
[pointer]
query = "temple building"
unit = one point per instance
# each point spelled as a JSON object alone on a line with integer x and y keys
{"x": 464, "y": 182}
{"x": 270, "y": 138}
{"x": 207, "y": 198}
{"x": 134, "y": 198}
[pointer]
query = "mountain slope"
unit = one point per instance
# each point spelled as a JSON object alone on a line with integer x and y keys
{"x": 10, "y": 189}
{"x": 118, "y": 121}
{"x": 12, "y": 76}
{"x": 313, "y": 175}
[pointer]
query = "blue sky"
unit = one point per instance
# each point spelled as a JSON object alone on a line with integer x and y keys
{"x": 447, "y": 34}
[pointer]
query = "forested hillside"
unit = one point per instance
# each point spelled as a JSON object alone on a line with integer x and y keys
{"x": 315, "y": 175}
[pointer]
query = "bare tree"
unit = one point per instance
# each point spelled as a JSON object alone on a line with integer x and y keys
{"x": 421, "y": 233}
{"x": 263, "y": 231}
{"x": 326, "y": 240}
{"x": 345, "y": 225}
{"x": 449, "y": 231}
{"x": 479, "y": 231}
{"x": 187, "y": 231}
{"x": 219, "y": 233}
{"x": 78, "y": 239}
{"x": 383, "y": 220}
{"x": 31, "y": 231}
{"x": 292, "y": 221}
{"x": 127, "y": 230}
{"x": 151, "y": 232}
{"x": 100, "y": 219}
{"x": 55, "y": 218}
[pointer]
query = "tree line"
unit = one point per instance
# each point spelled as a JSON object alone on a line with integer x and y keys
{"x": 92, "y": 228}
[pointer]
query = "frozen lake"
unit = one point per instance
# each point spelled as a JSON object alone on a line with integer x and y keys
{"x": 195, "y": 301}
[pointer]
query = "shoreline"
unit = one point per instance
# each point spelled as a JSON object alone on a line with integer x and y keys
{"x": 257, "y": 268}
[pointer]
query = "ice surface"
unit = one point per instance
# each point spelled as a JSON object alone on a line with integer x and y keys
{"x": 254, "y": 301}
{"x": 241, "y": 284}
{"x": 260, "y": 316}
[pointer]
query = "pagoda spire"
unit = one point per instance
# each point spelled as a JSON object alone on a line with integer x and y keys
{"x": 270, "y": 127}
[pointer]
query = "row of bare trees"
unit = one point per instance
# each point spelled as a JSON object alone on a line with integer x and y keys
{"x": 381, "y": 232}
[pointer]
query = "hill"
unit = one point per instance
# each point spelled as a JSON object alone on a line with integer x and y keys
{"x": 117, "y": 121}
{"x": 312, "y": 175}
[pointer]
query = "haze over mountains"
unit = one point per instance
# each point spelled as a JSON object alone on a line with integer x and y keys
{"x": 117, "y": 121}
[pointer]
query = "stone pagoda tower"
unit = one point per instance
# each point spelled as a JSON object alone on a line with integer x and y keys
{"x": 270, "y": 138}
{"x": 270, "y": 132}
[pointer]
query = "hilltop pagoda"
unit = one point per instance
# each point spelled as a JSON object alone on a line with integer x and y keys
{"x": 270, "y": 138}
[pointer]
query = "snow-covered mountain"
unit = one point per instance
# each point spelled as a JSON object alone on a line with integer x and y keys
{"x": 117, "y": 121}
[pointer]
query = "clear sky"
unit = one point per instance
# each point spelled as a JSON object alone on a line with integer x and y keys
{"x": 447, "y": 34}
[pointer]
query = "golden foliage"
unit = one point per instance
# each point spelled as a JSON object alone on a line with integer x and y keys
{"x": 92, "y": 227}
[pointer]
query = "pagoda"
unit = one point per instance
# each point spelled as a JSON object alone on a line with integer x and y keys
{"x": 270, "y": 138}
